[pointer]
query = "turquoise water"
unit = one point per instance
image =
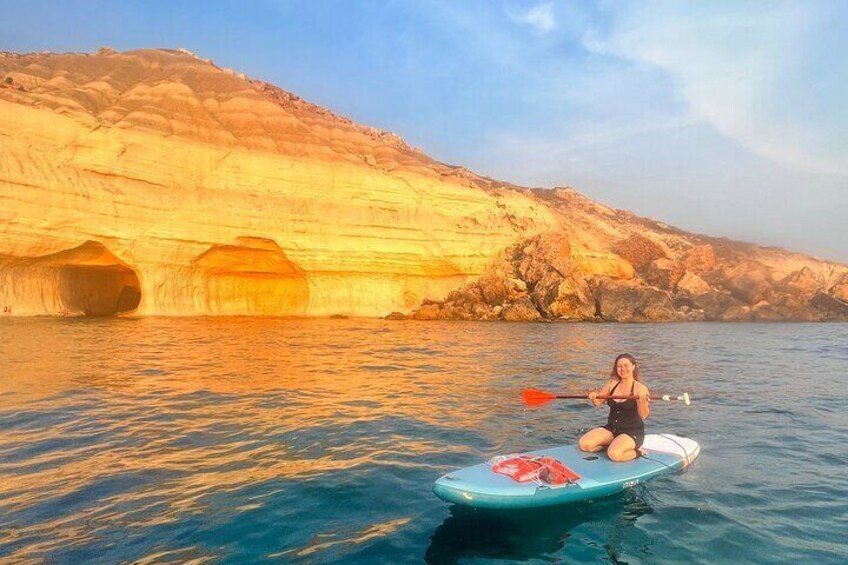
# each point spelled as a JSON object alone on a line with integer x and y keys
{"x": 237, "y": 440}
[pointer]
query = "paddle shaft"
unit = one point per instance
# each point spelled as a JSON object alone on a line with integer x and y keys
{"x": 535, "y": 397}
{"x": 619, "y": 397}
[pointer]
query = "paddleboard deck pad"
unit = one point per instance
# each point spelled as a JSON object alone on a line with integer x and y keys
{"x": 480, "y": 487}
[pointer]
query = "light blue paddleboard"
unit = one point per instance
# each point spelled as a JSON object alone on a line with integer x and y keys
{"x": 479, "y": 487}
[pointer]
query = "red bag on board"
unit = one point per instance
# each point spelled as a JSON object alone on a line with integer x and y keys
{"x": 526, "y": 468}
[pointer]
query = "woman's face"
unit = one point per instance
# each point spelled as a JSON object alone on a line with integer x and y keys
{"x": 624, "y": 368}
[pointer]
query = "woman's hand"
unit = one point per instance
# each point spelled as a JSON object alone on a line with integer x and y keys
{"x": 592, "y": 395}
{"x": 643, "y": 395}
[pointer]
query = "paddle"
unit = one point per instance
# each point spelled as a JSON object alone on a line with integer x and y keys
{"x": 536, "y": 397}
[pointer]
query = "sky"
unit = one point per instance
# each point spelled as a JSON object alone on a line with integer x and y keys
{"x": 727, "y": 118}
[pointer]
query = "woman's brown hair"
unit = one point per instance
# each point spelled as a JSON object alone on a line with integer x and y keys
{"x": 630, "y": 358}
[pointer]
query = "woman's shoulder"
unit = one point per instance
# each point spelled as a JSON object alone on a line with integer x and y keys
{"x": 640, "y": 386}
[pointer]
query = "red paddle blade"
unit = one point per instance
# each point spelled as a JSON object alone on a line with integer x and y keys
{"x": 535, "y": 397}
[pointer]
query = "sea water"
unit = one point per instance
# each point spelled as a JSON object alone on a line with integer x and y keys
{"x": 246, "y": 440}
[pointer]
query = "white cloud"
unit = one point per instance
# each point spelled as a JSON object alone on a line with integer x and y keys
{"x": 541, "y": 18}
{"x": 743, "y": 71}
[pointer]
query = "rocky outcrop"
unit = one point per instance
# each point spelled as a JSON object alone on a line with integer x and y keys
{"x": 803, "y": 283}
{"x": 831, "y": 308}
{"x": 630, "y": 301}
{"x": 665, "y": 274}
{"x": 748, "y": 282}
{"x": 640, "y": 251}
{"x": 533, "y": 280}
{"x": 540, "y": 280}
{"x": 840, "y": 291}
{"x": 699, "y": 259}
{"x": 522, "y": 310}
{"x": 692, "y": 284}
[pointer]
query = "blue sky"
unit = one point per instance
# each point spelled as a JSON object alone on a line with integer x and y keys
{"x": 725, "y": 118}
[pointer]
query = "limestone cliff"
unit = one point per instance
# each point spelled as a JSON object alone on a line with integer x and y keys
{"x": 153, "y": 182}
{"x": 211, "y": 194}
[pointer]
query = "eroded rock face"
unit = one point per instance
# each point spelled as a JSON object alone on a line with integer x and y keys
{"x": 692, "y": 284}
{"x": 803, "y": 283}
{"x": 609, "y": 265}
{"x": 179, "y": 168}
{"x": 699, "y": 259}
{"x": 253, "y": 275}
{"x": 557, "y": 286}
{"x": 153, "y": 182}
{"x": 748, "y": 283}
{"x": 533, "y": 280}
{"x": 538, "y": 279}
{"x": 664, "y": 273}
{"x": 522, "y": 310}
{"x": 830, "y": 307}
{"x": 86, "y": 280}
{"x": 574, "y": 301}
{"x": 720, "y": 306}
{"x": 640, "y": 251}
{"x": 629, "y": 301}
{"x": 840, "y": 291}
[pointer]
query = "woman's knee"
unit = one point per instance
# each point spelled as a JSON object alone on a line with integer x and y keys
{"x": 615, "y": 455}
{"x": 623, "y": 448}
{"x": 619, "y": 454}
{"x": 591, "y": 443}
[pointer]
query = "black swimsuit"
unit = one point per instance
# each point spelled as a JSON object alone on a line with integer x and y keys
{"x": 624, "y": 418}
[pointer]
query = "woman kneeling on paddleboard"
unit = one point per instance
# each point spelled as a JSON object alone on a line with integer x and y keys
{"x": 624, "y": 432}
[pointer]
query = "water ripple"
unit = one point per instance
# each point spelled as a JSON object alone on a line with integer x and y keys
{"x": 239, "y": 440}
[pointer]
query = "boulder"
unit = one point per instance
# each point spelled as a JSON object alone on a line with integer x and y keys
{"x": 522, "y": 310}
{"x": 783, "y": 308}
{"x": 690, "y": 283}
{"x": 832, "y": 308}
{"x": 687, "y": 308}
{"x": 456, "y": 311}
{"x": 496, "y": 289}
{"x": 840, "y": 289}
{"x": 543, "y": 253}
{"x": 629, "y": 301}
{"x": 428, "y": 311}
{"x": 467, "y": 296}
{"x": 803, "y": 283}
{"x": 664, "y": 273}
{"x": 748, "y": 282}
{"x": 699, "y": 259}
{"x": 395, "y": 316}
{"x": 574, "y": 301}
{"x": 721, "y": 306}
{"x": 639, "y": 251}
{"x": 558, "y": 288}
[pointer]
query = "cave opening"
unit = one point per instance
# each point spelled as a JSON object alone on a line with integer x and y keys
{"x": 99, "y": 290}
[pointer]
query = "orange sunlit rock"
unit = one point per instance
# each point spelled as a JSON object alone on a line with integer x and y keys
{"x": 172, "y": 164}
{"x": 206, "y": 192}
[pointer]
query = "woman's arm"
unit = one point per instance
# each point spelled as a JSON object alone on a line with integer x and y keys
{"x": 643, "y": 400}
{"x": 604, "y": 391}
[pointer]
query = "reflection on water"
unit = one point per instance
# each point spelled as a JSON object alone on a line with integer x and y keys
{"x": 157, "y": 440}
{"x": 326, "y": 540}
{"x": 469, "y": 534}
